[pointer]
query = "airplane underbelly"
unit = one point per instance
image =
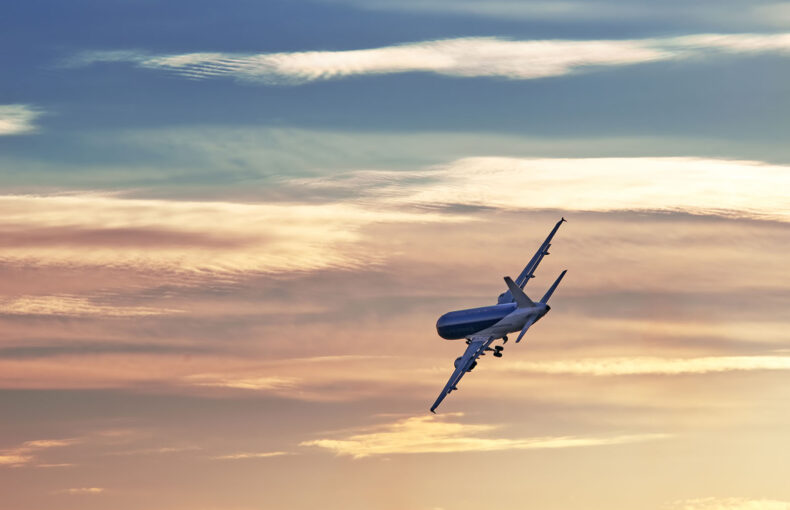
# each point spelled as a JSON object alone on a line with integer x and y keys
{"x": 462, "y": 323}
{"x": 464, "y": 329}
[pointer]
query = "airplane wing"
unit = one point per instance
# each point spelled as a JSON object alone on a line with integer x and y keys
{"x": 529, "y": 269}
{"x": 477, "y": 346}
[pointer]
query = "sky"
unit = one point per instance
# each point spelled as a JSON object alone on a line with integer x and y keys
{"x": 227, "y": 231}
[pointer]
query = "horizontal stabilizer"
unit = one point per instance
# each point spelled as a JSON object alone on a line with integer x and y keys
{"x": 519, "y": 297}
{"x": 529, "y": 323}
{"x": 549, "y": 292}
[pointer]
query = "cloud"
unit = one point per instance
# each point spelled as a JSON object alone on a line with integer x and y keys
{"x": 184, "y": 236}
{"x": 250, "y": 455}
{"x": 730, "y": 504}
{"x": 244, "y": 383}
{"x": 14, "y": 459}
{"x": 17, "y": 119}
{"x": 26, "y": 453}
{"x": 462, "y": 57}
{"x": 721, "y": 187}
{"x": 83, "y": 490}
{"x": 73, "y": 306}
{"x": 652, "y": 365}
{"x": 162, "y": 450}
{"x": 436, "y": 434}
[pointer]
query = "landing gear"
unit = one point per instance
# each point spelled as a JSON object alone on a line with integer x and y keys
{"x": 498, "y": 351}
{"x": 504, "y": 339}
{"x": 498, "y": 354}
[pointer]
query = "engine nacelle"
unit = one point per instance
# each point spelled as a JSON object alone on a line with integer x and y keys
{"x": 458, "y": 361}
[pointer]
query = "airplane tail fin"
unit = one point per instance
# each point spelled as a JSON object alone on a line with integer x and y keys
{"x": 519, "y": 296}
{"x": 549, "y": 292}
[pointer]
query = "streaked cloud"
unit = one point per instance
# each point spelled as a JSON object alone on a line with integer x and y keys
{"x": 73, "y": 306}
{"x": 652, "y": 365}
{"x": 18, "y": 119}
{"x": 244, "y": 383}
{"x": 729, "y": 188}
{"x": 184, "y": 236}
{"x": 162, "y": 450}
{"x": 730, "y": 504}
{"x": 83, "y": 490}
{"x": 250, "y": 455}
{"x": 14, "y": 459}
{"x": 27, "y": 452}
{"x": 462, "y": 57}
{"x": 438, "y": 434}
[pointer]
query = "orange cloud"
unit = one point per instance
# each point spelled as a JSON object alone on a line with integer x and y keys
{"x": 436, "y": 434}
{"x": 250, "y": 455}
{"x": 222, "y": 237}
{"x": 651, "y": 365}
{"x": 26, "y": 453}
{"x": 83, "y": 490}
{"x": 75, "y": 306}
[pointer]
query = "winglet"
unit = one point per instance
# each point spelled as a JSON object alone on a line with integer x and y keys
{"x": 549, "y": 292}
{"x": 521, "y": 299}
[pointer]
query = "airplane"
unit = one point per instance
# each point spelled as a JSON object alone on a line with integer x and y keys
{"x": 514, "y": 311}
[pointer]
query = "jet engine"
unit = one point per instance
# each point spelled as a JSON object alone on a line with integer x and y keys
{"x": 458, "y": 360}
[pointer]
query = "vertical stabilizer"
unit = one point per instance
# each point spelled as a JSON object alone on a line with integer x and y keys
{"x": 519, "y": 296}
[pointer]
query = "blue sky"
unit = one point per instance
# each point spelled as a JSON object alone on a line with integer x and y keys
{"x": 736, "y": 100}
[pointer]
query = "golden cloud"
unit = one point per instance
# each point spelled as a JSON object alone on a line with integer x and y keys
{"x": 436, "y": 434}
{"x": 173, "y": 235}
{"x": 651, "y": 365}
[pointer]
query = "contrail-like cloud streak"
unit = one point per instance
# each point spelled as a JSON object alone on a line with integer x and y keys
{"x": 462, "y": 57}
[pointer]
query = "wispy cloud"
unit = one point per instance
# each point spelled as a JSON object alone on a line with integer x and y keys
{"x": 17, "y": 119}
{"x": 83, "y": 490}
{"x": 437, "y": 434}
{"x": 99, "y": 229}
{"x": 696, "y": 185}
{"x": 652, "y": 365}
{"x": 73, "y": 306}
{"x": 162, "y": 450}
{"x": 244, "y": 383}
{"x": 730, "y": 504}
{"x": 463, "y": 57}
{"x": 26, "y": 453}
{"x": 250, "y": 455}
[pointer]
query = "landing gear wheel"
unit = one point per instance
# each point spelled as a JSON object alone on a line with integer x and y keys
{"x": 498, "y": 354}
